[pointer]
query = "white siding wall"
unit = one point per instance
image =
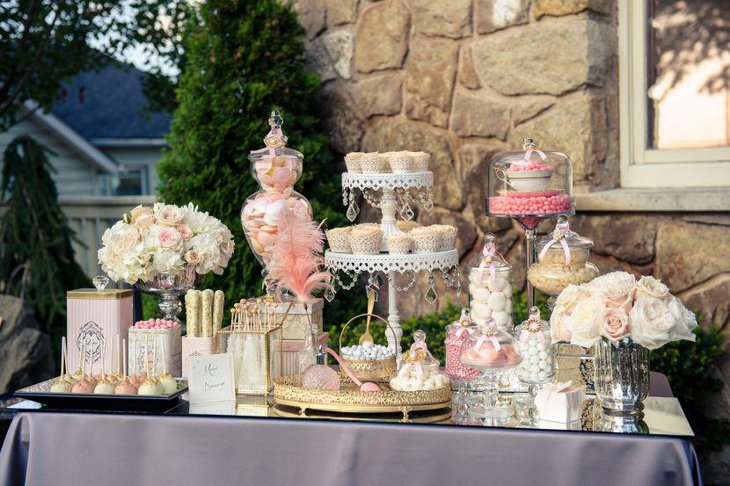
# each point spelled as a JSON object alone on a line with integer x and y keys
{"x": 74, "y": 176}
{"x": 148, "y": 156}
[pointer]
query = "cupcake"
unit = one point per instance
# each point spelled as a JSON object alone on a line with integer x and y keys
{"x": 399, "y": 244}
{"x": 339, "y": 239}
{"x": 425, "y": 240}
{"x": 420, "y": 161}
{"x": 400, "y": 162}
{"x": 406, "y": 226}
{"x": 366, "y": 240}
{"x": 352, "y": 161}
{"x": 447, "y": 235}
{"x": 372, "y": 163}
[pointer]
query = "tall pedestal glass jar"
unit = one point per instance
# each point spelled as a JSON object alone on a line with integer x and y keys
{"x": 622, "y": 376}
{"x": 276, "y": 168}
{"x": 461, "y": 376}
{"x": 490, "y": 287}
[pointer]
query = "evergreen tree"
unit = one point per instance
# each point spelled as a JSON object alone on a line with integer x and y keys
{"x": 35, "y": 243}
{"x": 243, "y": 60}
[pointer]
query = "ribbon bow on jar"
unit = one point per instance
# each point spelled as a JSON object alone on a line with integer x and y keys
{"x": 529, "y": 146}
{"x": 559, "y": 233}
{"x": 490, "y": 330}
{"x": 533, "y": 327}
{"x": 412, "y": 359}
{"x": 488, "y": 253}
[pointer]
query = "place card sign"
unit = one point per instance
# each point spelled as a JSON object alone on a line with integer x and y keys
{"x": 211, "y": 378}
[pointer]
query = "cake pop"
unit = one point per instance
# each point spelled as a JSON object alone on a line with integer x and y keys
{"x": 150, "y": 386}
{"x": 104, "y": 386}
{"x": 85, "y": 383}
{"x": 167, "y": 381}
{"x": 62, "y": 385}
{"x": 133, "y": 378}
{"x": 125, "y": 387}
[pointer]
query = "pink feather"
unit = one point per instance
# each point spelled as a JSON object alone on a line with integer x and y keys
{"x": 296, "y": 260}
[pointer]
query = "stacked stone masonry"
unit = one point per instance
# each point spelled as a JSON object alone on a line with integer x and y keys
{"x": 473, "y": 79}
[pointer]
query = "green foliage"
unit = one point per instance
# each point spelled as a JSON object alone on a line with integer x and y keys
{"x": 33, "y": 234}
{"x": 243, "y": 60}
{"x": 43, "y": 42}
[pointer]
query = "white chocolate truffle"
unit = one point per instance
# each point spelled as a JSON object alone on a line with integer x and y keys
{"x": 497, "y": 302}
{"x": 507, "y": 291}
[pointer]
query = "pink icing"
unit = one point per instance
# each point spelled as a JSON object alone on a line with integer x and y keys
{"x": 530, "y": 167}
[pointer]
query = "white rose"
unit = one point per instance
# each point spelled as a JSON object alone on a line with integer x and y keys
{"x": 168, "y": 215}
{"x": 685, "y": 317}
{"x": 564, "y": 306}
{"x": 584, "y": 321}
{"x": 617, "y": 289}
{"x": 651, "y": 287}
{"x": 652, "y": 324}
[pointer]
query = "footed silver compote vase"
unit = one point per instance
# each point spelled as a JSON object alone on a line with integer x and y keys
{"x": 169, "y": 287}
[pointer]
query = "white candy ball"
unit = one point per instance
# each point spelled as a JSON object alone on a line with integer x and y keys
{"x": 481, "y": 311}
{"x": 497, "y": 285}
{"x": 508, "y": 306}
{"x": 507, "y": 291}
{"x": 497, "y": 302}
{"x": 543, "y": 354}
{"x": 480, "y": 295}
{"x": 501, "y": 318}
{"x": 542, "y": 375}
{"x": 542, "y": 364}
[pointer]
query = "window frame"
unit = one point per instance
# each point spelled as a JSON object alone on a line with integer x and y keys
{"x": 641, "y": 166}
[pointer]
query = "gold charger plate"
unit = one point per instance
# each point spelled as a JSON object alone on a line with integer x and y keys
{"x": 349, "y": 399}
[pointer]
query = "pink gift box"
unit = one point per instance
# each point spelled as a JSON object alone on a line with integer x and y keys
{"x": 156, "y": 338}
{"x": 94, "y": 318}
{"x": 195, "y": 346}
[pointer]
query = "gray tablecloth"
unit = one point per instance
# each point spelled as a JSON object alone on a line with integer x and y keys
{"x": 99, "y": 449}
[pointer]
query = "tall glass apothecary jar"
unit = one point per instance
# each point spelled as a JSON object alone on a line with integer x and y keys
{"x": 276, "y": 168}
{"x": 534, "y": 344}
{"x": 490, "y": 286}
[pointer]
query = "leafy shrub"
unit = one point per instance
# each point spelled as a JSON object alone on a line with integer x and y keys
{"x": 243, "y": 60}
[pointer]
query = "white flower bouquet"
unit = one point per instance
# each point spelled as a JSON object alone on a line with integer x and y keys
{"x": 164, "y": 239}
{"x": 615, "y": 306}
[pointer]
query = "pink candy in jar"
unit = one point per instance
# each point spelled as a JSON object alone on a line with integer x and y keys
{"x": 544, "y": 202}
{"x": 155, "y": 324}
{"x": 456, "y": 334}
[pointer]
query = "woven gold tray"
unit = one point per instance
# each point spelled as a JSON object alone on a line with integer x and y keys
{"x": 349, "y": 399}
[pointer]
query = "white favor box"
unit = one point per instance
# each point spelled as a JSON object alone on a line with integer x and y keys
{"x": 169, "y": 338}
{"x": 93, "y": 319}
{"x": 195, "y": 346}
{"x": 559, "y": 402}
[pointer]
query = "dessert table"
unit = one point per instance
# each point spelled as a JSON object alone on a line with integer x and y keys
{"x": 178, "y": 447}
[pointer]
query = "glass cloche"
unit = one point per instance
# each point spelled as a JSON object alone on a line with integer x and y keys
{"x": 490, "y": 286}
{"x": 530, "y": 185}
{"x": 419, "y": 370}
{"x": 491, "y": 351}
{"x": 276, "y": 168}
{"x": 562, "y": 260}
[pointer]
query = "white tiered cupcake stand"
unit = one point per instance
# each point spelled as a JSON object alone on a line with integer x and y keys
{"x": 391, "y": 193}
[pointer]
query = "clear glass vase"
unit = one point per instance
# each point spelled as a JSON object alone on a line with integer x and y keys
{"x": 168, "y": 288}
{"x": 622, "y": 376}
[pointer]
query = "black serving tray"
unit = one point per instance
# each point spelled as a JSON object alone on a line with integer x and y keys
{"x": 41, "y": 393}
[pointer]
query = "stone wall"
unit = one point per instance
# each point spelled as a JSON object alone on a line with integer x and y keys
{"x": 464, "y": 79}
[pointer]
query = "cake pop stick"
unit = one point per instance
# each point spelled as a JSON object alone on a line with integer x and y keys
{"x": 62, "y": 385}
{"x": 168, "y": 383}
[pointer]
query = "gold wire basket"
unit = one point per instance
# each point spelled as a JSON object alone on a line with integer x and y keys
{"x": 254, "y": 338}
{"x": 377, "y": 370}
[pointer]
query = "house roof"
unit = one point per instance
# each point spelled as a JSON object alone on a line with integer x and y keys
{"x": 109, "y": 107}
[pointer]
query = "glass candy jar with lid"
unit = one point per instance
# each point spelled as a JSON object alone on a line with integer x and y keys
{"x": 461, "y": 376}
{"x": 490, "y": 286}
{"x": 535, "y": 346}
{"x": 530, "y": 184}
{"x": 276, "y": 168}
{"x": 419, "y": 370}
{"x": 562, "y": 260}
{"x": 491, "y": 351}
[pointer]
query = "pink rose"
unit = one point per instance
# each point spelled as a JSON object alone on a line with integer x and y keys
{"x": 615, "y": 324}
{"x": 192, "y": 257}
{"x": 651, "y": 287}
{"x": 169, "y": 237}
{"x": 185, "y": 232}
{"x": 129, "y": 236}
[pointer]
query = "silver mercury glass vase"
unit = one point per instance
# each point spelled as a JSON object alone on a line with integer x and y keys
{"x": 622, "y": 376}
{"x": 169, "y": 288}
